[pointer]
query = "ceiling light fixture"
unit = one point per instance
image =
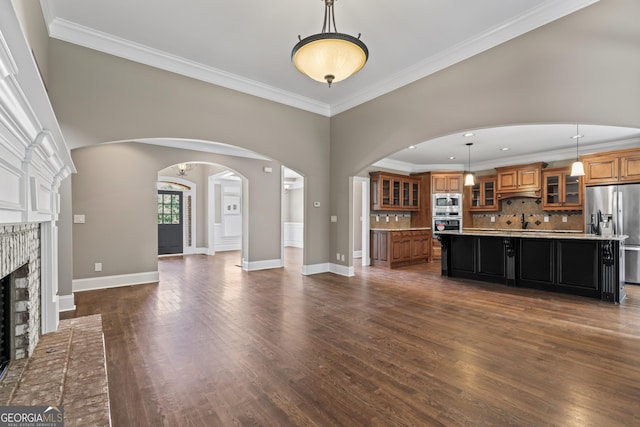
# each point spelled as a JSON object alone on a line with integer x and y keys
{"x": 468, "y": 179}
{"x": 329, "y": 56}
{"x": 577, "y": 168}
{"x": 183, "y": 168}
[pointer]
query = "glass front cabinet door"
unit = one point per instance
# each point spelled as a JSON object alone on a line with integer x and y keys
{"x": 483, "y": 194}
{"x": 560, "y": 190}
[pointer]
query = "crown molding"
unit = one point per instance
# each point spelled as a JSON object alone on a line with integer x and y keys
{"x": 87, "y": 37}
{"x": 540, "y": 15}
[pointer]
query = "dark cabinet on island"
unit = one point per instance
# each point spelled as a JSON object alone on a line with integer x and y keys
{"x": 571, "y": 263}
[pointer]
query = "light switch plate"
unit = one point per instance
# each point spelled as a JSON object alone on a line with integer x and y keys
{"x": 78, "y": 219}
{"x": 334, "y": 218}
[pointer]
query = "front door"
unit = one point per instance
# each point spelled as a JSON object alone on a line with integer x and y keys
{"x": 169, "y": 222}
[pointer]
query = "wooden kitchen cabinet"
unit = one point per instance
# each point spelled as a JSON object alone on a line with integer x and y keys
{"x": 613, "y": 167}
{"x": 519, "y": 179}
{"x": 483, "y": 194}
{"x": 450, "y": 182}
{"x": 630, "y": 167}
{"x": 560, "y": 190}
{"x": 394, "y": 192}
{"x": 420, "y": 245}
{"x": 436, "y": 249}
{"x": 394, "y": 248}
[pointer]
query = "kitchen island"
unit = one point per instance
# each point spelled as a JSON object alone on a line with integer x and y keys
{"x": 569, "y": 262}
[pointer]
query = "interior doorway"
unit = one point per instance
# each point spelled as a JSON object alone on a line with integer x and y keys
{"x": 360, "y": 220}
{"x": 292, "y": 218}
{"x": 225, "y": 211}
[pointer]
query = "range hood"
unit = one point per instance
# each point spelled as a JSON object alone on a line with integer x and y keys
{"x": 534, "y": 194}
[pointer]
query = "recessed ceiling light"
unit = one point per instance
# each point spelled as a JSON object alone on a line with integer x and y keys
{"x": 412, "y": 147}
{"x": 468, "y": 134}
{"x": 505, "y": 149}
{"x": 452, "y": 158}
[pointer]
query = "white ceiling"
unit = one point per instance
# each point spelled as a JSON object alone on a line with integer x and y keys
{"x": 530, "y": 143}
{"x": 246, "y": 46}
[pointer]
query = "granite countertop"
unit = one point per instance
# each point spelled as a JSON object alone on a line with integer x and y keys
{"x": 401, "y": 229}
{"x": 551, "y": 234}
{"x": 526, "y": 230}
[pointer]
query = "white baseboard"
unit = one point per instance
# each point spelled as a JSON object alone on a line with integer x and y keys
{"x": 293, "y": 244}
{"x": 342, "y": 270}
{"x": 357, "y": 254}
{"x": 228, "y": 247}
{"x": 262, "y": 265}
{"x": 66, "y": 303}
{"x": 104, "y": 282}
{"x": 196, "y": 251}
{"x": 308, "y": 270}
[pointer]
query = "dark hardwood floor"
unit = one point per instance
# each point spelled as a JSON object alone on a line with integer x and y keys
{"x": 213, "y": 345}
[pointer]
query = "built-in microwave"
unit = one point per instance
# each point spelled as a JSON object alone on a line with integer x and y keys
{"x": 446, "y": 204}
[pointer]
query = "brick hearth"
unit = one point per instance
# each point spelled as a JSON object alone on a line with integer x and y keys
{"x": 67, "y": 368}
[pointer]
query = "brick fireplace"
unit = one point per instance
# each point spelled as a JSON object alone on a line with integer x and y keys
{"x": 34, "y": 161}
{"x": 20, "y": 250}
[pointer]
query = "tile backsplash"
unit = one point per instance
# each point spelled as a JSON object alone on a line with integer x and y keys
{"x": 390, "y": 220}
{"x": 510, "y": 216}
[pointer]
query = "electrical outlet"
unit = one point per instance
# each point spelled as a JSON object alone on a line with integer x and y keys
{"x": 564, "y": 218}
{"x": 342, "y": 257}
{"x": 98, "y": 266}
{"x": 546, "y": 218}
{"x": 396, "y": 218}
{"x": 338, "y": 256}
{"x": 493, "y": 218}
{"x": 387, "y": 218}
{"x": 377, "y": 218}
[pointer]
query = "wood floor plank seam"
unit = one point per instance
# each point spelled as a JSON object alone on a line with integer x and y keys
{"x": 211, "y": 344}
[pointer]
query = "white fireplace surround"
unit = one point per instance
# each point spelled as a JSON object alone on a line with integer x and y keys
{"x": 34, "y": 158}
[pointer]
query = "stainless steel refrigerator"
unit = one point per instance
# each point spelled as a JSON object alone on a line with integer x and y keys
{"x": 616, "y": 209}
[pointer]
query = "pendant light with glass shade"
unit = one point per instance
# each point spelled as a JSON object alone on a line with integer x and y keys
{"x": 577, "y": 168}
{"x": 329, "y": 56}
{"x": 468, "y": 179}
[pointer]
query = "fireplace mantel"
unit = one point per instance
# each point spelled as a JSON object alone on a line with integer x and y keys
{"x": 34, "y": 158}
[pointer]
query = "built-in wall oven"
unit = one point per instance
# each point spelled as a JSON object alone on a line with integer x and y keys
{"x": 447, "y": 223}
{"x": 446, "y": 203}
{"x": 447, "y": 211}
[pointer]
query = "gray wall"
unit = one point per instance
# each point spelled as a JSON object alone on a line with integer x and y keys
{"x": 100, "y": 98}
{"x": 115, "y": 188}
{"x": 583, "y": 68}
{"x": 294, "y": 205}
